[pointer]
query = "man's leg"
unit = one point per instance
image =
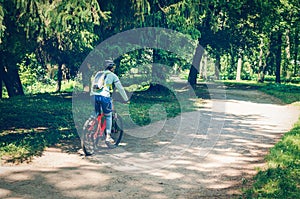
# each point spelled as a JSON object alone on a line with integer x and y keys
{"x": 108, "y": 118}
{"x": 107, "y": 109}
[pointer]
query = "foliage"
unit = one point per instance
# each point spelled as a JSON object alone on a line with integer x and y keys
{"x": 2, "y": 27}
{"x": 294, "y": 80}
{"x": 63, "y": 32}
{"x": 30, "y": 70}
{"x": 70, "y": 23}
{"x": 184, "y": 17}
{"x": 281, "y": 179}
{"x": 33, "y": 75}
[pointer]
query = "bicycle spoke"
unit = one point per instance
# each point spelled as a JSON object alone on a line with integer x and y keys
{"x": 87, "y": 142}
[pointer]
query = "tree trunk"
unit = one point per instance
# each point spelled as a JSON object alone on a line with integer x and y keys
{"x": 1, "y": 76}
{"x": 260, "y": 63}
{"x": 264, "y": 68}
{"x": 232, "y": 63}
{"x": 59, "y": 78}
{"x": 158, "y": 73}
{"x": 263, "y": 72}
{"x": 87, "y": 73}
{"x": 10, "y": 77}
{"x": 218, "y": 66}
{"x": 278, "y": 58}
{"x": 1, "y": 80}
{"x": 296, "y": 46}
{"x": 194, "y": 70}
{"x": 12, "y": 83}
{"x": 204, "y": 67}
{"x": 239, "y": 68}
{"x": 287, "y": 55}
{"x": 271, "y": 58}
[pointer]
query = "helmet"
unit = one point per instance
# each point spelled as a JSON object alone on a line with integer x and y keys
{"x": 109, "y": 64}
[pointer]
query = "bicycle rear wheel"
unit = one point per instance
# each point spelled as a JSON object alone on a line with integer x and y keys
{"x": 87, "y": 140}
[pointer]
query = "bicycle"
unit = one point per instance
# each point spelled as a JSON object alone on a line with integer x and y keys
{"x": 94, "y": 130}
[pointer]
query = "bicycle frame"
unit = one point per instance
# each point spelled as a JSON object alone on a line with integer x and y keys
{"x": 100, "y": 127}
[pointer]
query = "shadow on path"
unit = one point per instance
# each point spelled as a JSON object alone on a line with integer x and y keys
{"x": 209, "y": 165}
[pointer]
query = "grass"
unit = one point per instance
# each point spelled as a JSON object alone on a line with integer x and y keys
{"x": 287, "y": 93}
{"x": 30, "y": 123}
{"x": 142, "y": 103}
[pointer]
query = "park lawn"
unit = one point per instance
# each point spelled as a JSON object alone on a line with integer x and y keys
{"x": 30, "y": 123}
{"x": 287, "y": 93}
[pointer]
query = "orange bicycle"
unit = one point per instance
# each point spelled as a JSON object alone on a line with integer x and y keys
{"x": 94, "y": 130}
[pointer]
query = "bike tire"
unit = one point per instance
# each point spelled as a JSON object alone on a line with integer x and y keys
{"x": 87, "y": 141}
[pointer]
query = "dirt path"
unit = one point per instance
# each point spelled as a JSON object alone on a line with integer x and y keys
{"x": 229, "y": 143}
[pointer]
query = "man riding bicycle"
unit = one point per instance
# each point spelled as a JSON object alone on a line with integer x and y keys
{"x": 101, "y": 91}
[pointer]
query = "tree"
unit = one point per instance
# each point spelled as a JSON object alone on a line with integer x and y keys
{"x": 296, "y": 50}
{"x": 69, "y": 30}
{"x": 55, "y": 30}
{"x": 19, "y": 25}
{"x": 184, "y": 17}
{"x": 194, "y": 70}
{"x": 278, "y": 23}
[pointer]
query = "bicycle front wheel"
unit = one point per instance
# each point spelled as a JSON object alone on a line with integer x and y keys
{"x": 87, "y": 140}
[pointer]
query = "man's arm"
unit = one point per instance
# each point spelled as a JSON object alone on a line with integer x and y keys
{"x": 121, "y": 90}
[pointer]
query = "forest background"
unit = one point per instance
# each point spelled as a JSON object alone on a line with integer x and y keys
{"x": 43, "y": 43}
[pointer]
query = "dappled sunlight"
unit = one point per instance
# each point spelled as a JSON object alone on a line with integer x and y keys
{"x": 19, "y": 176}
{"x": 245, "y": 139}
{"x": 14, "y": 130}
{"x": 58, "y": 183}
{"x": 208, "y": 153}
{"x": 166, "y": 174}
{"x": 57, "y": 180}
{"x": 5, "y": 192}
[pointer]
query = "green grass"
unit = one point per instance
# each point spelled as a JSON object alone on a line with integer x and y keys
{"x": 30, "y": 123}
{"x": 287, "y": 93}
{"x": 282, "y": 177}
{"x": 143, "y": 101}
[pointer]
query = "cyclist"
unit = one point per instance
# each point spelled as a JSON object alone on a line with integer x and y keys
{"x": 101, "y": 94}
